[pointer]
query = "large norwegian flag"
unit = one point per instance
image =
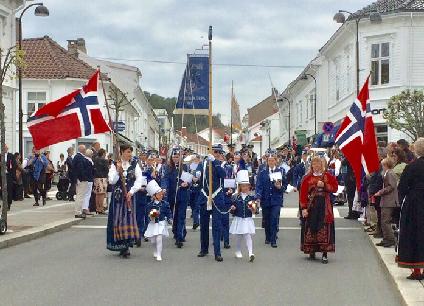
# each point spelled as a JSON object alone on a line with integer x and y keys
{"x": 70, "y": 117}
{"x": 356, "y": 137}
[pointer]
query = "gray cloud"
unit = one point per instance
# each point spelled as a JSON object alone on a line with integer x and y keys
{"x": 267, "y": 32}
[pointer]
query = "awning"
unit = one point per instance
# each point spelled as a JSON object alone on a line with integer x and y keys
{"x": 122, "y": 139}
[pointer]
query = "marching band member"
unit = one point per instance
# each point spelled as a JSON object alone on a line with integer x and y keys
{"x": 158, "y": 216}
{"x": 317, "y": 234}
{"x": 196, "y": 171}
{"x": 170, "y": 177}
{"x": 270, "y": 188}
{"x": 122, "y": 231}
{"x": 180, "y": 210}
{"x": 218, "y": 175}
{"x": 243, "y": 206}
{"x": 227, "y": 164}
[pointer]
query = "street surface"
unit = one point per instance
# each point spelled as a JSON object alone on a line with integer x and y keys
{"x": 73, "y": 267}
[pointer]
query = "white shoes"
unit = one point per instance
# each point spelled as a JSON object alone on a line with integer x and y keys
{"x": 238, "y": 254}
{"x": 159, "y": 258}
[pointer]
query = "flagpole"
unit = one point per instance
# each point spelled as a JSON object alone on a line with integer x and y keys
{"x": 209, "y": 204}
{"x": 231, "y": 123}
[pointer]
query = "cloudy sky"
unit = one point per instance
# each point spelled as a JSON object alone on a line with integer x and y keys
{"x": 265, "y": 32}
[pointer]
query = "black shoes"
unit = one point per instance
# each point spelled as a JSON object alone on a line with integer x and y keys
{"x": 195, "y": 226}
{"x": 324, "y": 259}
{"x": 125, "y": 253}
{"x": 26, "y": 196}
{"x": 219, "y": 258}
{"x": 138, "y": 243}
{"x": 80, "y": 216}
{"x": 415, "y": 276}
{"x": 44, "y": 201}
{"x": 36, "y": 204}
{"x": 201, "y": 254}
{"x": 267, "y": 242}
{"x": 146, "y": 239}
{"x": 227, "y": 246}
{"x": 312, "y": 256}
{"x": 252, "y": 258}
{"x": 385, "y": 244}
{"x": 179, "y": 244}
{"x": 274, "y": 245}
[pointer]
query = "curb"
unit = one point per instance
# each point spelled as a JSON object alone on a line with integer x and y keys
{"x": 389, "y": 274}
{"x": 37, "y": 232}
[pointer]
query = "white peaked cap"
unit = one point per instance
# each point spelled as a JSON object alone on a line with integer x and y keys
{"x": 243, "y": 177}
{"x": 153, "y": 188}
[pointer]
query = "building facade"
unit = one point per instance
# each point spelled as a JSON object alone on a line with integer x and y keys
{"x": 390, "y": 51}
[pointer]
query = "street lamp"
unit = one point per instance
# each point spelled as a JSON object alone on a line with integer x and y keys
{"x": 340, "y": 17}
{"x": 42, "y": 11}
{"x": 305, "y": 77}
{"x": 289, "y": 103}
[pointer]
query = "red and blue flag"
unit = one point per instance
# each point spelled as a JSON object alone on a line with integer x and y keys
{"x": 75, "y": 115}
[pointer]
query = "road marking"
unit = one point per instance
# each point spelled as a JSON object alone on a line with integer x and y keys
{"x": 39, "y": 208}
{"x": 188, "y": 227}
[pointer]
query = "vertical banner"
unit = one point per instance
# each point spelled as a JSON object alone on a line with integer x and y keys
{"x": 193, "y": 97}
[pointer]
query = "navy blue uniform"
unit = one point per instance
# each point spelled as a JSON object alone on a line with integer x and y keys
{"x": 229, "y": 174}
{"x": 271, "y": 199}
{"x": 141, "y": 200}
{"x": 218, "y": 175}
{"x": 180, "y": 211}
{"x": 195, "y": 191}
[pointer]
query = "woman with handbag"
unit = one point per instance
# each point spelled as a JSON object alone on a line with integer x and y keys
{"x": 317, "y": 232}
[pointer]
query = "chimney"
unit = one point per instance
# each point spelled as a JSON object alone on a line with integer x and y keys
{"x": 184, "y": 131}
{"x": 75, "y": 45}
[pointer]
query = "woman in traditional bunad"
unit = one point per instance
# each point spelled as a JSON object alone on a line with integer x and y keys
{"x": 126, "y": 176}
{"x": 318, "y": 233}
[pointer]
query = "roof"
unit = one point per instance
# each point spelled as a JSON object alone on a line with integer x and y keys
{"x": 46, "y": 59}
{"x": 193, "y": 138}
{"x": 262, "y": 110}
{"x": 392, "y": 6}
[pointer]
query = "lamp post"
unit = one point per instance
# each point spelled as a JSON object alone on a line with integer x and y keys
{"x": 305, "y": 77}
{"x": 340, "y": 17}
{"x": 42, "y": 11}
{"x": 289, "y": 103}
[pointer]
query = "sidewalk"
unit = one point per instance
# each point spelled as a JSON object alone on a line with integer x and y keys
{"x": 26, "y": 222}
{"x": 412, "y": 291}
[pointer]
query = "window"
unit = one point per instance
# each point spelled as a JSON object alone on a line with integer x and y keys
{"x": 338, "y": 78}
{"x": 380, "y": 64}
{"x": 36, "y": 100}
{"x": 381, "y": 132}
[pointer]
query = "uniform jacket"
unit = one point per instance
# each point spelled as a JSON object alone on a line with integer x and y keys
{"x": 298, "y": 173}
{"x": 164, "y": 211}
{"x": 242, "y": 209}
{"x": 266, "y": 191}
{"x": 218, "y": 175}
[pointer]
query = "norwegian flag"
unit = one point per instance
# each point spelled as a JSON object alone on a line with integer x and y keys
{"x": 70, "y": 117}
{"x": 356, "y": 137}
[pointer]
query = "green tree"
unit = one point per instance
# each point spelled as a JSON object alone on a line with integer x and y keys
{"x": 405, "y": 113}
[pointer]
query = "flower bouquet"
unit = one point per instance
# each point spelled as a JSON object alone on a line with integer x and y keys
{"x": 252, "y": 205}
{"x": 154, "y": 213}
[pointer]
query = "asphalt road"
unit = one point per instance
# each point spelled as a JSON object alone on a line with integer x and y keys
{"x": 73, "y": 267}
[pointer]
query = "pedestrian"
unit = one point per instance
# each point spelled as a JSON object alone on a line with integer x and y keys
{"x": 49, "y": 173}
{"x": 158, "y": 216}
{"x": 89, "y": 174}
{"x": 270, "y": 187}
{"x": 350, "y": 187}
{"x": 126, "y": 177}
{"x": 317, "y": 229}
{"x": 70, "y": 174}
{"x": 95, "y": 147}
{"x": 39, "y": 164}
{"x": 404, "y": 146}
{"x": 411, "y": 230}
{"x": 80, "y": 180}
{"x": 243, "y": 207}
{"x": 101, "y": 170}
{"x": 18, "y": 183}
{"x": 389, "y": 201}
{"x": 217, "y": 203}
{"x": 170, "y": 177}
{"x": 10, "y": 174}
{"x": 399, "y": 159}
{"x": 61, "y": 165}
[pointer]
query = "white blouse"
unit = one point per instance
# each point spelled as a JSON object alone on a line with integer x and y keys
{"x": 114, "y": 176}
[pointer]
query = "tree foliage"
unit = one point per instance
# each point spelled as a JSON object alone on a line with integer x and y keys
{"x": 405, "y": 113}
{"x": 190, "y": 121}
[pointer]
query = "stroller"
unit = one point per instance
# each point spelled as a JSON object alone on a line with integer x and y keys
{"x": 62, "y": 187}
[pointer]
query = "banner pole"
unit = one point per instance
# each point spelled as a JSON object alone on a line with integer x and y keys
{"x": 231, "y": 123}
{"x": 209, "y": 204}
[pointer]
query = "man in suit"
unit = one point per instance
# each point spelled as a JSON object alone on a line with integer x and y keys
{"x": 80, "y": 179}
{"x": 68, "y": 162}
{"x": 10, "y": 174}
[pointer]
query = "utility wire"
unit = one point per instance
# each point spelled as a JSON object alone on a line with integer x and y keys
{"x": 216, "y": 64}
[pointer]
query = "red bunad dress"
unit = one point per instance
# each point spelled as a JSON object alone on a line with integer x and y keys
{"x": 318, "y": 232}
